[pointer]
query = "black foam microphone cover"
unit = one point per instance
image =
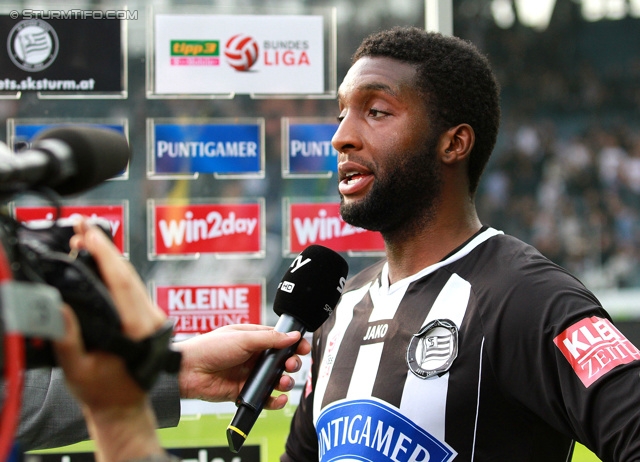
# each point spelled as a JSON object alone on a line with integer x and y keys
{"x": 306, "y": 297}
{"x": 312, "y": 286}
{"x": 98, "y": 154}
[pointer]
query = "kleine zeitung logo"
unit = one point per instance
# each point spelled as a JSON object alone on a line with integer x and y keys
{"x": 200, "y": 309}
{"x": 594, "y": 346}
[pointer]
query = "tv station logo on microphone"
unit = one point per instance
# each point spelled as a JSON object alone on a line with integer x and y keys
{"x": 321, "y": 223}
{"x": 287, "y": 286}
{"x": 197, "y": 309}
{"x": 187, "y": 231}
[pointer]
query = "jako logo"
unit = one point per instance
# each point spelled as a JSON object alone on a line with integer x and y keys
{"x": 241, "y": 52}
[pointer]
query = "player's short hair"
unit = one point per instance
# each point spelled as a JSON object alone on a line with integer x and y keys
{"x": 456, "y": 80}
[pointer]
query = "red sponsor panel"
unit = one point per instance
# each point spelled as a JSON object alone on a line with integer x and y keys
{"x": 322, "y": 224}
{"x": 593, "y": 346}
{"x": 207, "y": 228}
{"x": 114, "y": 214}
{"x": 200, "y": 309}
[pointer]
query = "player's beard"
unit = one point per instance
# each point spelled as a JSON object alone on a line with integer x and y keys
{"x": 402, "y": 199}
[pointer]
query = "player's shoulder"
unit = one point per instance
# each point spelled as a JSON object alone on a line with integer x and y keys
{"x": 506, "y": 255}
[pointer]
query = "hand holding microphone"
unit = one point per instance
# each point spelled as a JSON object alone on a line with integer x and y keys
{"x": 306, "y": 296}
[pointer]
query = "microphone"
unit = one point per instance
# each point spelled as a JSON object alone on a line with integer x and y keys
{"x": 68, "y": 159}
{"x": 306, "y": 296}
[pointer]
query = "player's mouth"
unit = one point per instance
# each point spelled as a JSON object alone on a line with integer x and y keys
{"x": 354, "y": 178}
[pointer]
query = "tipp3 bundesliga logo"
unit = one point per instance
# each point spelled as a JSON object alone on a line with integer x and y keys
{"x": 195, "y": 52}
{"x": 32, "y": 45}
{"x": 241, "y": 52}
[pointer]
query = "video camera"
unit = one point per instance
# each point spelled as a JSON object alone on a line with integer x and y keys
{"x": 44, "y": 271}
{"x": 39, "y": 270}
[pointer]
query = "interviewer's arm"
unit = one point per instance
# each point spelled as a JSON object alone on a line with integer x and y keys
{"x": 51, "y": 417}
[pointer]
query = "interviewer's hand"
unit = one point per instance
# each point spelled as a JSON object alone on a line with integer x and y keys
{"x": 216, "y": 365}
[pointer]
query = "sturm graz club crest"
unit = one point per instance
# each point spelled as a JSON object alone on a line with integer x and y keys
{"x": 32, "y": 45}
{"x": 433, "y": 349}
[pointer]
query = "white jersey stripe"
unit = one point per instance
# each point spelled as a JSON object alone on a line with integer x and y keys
{"x": 475, "y": 429}
{"x": 365, "y": 371}
{"x": 334, "y": 339}
{"x": 451, "y": 304}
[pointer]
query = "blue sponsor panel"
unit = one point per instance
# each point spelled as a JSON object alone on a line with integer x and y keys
{"x": 310, "y": 149}
{"x": 24, "y": 134}
{"x": 368, "y": 430}
{"x": 207, "y": 148}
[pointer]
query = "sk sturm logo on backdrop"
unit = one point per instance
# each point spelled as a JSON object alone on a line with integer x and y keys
{"x": 241, "y": 52}
{"x": 32, "y": 45}
{"x": 195, "y": 52}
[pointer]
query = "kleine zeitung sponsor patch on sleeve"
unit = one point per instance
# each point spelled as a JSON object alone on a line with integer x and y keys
{"x": 593, "y": 346}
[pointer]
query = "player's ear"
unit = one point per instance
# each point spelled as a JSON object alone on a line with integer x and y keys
{"x": 456, "y": 143}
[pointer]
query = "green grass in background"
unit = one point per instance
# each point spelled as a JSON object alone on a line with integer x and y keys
{"x": 269, "y": 432}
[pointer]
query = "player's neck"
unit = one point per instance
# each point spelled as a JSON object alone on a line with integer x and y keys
{"x": 408, "y": 253}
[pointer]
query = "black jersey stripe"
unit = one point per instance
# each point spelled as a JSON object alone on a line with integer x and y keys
{"x": 346, "y": 358}
{"x": 393, "y": 370}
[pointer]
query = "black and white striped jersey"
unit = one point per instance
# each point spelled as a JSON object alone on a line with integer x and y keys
{"x": 494, "y": 353}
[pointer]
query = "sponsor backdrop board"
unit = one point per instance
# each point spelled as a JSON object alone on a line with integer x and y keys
{"x": 228, "y": 54}
{"x": 117, "y": 215}
{"x": 307, "y": 223}
{"x": 20, "y": 132}
{"x": 47, "y": 56}
{"x": 306, "y": 147}
{"x": 184, "y": 231}
{"x": 197, "y": 309}
{"x": 227, "y": 148}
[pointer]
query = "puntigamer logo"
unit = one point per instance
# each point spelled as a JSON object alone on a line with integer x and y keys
{"x": 195, "y": 52}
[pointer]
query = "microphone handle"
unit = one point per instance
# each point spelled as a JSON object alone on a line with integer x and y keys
{"x": 260, "y": 384}
{"x": 269, "y": 368}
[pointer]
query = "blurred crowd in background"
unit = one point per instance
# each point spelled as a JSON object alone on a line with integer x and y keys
{"x": 565, "y": 175}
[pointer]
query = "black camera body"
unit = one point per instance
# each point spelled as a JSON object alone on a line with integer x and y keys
{"x": 39, "y": 253}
